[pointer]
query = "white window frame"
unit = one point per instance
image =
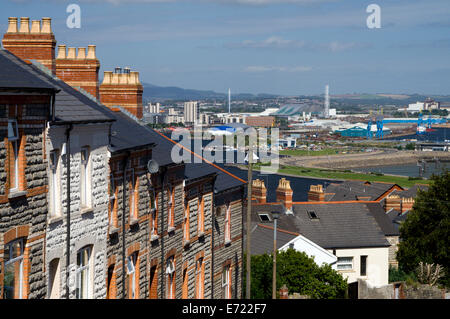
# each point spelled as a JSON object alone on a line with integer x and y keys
{"x": 201, "y": 213}
{"x": 200, "y": 279}
{"x": 19, "y": 259}
{"x": 86, "y": 270}
{"x": 85, "y": 178}
{"x": 343, "y": 263}
{"x": 13, "y": 137}
{"x": 112, "y": 198}
{"x": 54, "y": 289}
{"x": 226, "y": 281}
{"x": 227, "y": 230}
{"x": 55, "y": 196}
{"x": 171, "y": 207}
{"x": 170, "y": 271}
{"x": 131, "y": 271}
{"x": 133, "y": 208}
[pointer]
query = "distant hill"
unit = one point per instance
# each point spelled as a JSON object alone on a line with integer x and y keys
{"x": 159, "y": 93}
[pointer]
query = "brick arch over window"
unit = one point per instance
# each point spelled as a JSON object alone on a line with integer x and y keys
{"x": 153, "y": 279}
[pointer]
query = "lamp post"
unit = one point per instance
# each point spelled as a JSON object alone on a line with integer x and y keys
{"x": 275, "y": 216}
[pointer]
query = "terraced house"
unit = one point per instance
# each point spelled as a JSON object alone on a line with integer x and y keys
{"x": 83, "y": 213}
{"x": 25, "y": 108}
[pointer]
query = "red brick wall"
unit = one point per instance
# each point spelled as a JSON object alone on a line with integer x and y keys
{"x": 127, "y": 96}
{"x": 80, "y": 73}
{"x": 40, "y": 47}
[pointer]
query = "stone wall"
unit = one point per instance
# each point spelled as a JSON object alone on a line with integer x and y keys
{"x": 87, "y": 227}
{"x": 24, "y": 216}
{"x": 228, "y": 253}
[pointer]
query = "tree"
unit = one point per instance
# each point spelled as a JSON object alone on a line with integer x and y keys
{"x": 299, "y": 273}
{"x": 426, "y": 231}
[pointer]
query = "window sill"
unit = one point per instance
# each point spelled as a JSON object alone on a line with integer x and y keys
{"x": 134, "y": 221}
{"x": 201, "y": 234}
{"x": 55, "y": 219}
{"x": 346, "y": 271}
{"x": 113, "y": 230}
{"x": 186, "y": 243}
{"x": 171, "y": 229}
{"x": 154, "y": 237}
{"x": 86, "y": 210}
{"x": 16, "y": 194}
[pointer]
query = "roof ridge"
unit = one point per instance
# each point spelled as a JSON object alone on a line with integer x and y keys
{"x": 201, "y": 157}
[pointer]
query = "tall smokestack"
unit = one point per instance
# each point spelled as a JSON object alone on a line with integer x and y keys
{"x": 327, "y": 102}
{"x": 229, "y": 100}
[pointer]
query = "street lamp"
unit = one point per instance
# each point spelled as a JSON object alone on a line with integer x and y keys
{"x": 275, "y": 216}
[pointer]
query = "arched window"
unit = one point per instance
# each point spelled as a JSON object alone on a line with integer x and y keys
{"x": 13, "y": 277}
{"x": 54, "y": 279}
{"x": 84, "y": 273}
{"x": 170, "y": 272}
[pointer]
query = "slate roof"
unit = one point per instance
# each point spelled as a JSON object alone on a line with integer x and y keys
{"x": 384, "y": 221}
{"x": 412, "y": 191}
{"x": 343, "y": 225}
{"x": 17, "y": 77}
{"x": 262, "y": 239}
{"x": 356, "y": 190}
{"x": 196, "y": 168}
{"x": 70, "y": 105}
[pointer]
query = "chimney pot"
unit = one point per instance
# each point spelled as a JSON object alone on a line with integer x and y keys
{"x": 72, "y": 53}
{"x": 91, "y": 52}
{"x": 107, "y": 77}
{"x": 35, "y": 26}
{"x": 123, "y": 78}
{"x": 61, "y": 51}
{"x": 12, "y": 25}
{"x": 24, "y": 25}
{"x": 46, "y": 26}
{"x": 81, "y": 54}
{"x": 135, "y": 78}
{"x": 115, "y": 78}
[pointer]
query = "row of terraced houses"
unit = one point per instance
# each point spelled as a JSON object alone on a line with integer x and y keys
{"x": 81, "y": 214}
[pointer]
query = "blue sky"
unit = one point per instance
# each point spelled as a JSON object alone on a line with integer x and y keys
{"x": 288, "y": 47}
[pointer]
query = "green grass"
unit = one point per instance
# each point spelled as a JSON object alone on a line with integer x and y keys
{"x": 347, "y": 175}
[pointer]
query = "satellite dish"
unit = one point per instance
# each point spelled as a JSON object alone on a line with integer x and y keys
{"x": 152, "y": 167}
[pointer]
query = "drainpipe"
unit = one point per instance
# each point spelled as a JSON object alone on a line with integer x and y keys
{"x": 124, "y": 187}
{"x": 68, "y": 209}
{"x": 242, "y": 239}
{"x": 213, "y": 218}
{"x": 161, "y": 218}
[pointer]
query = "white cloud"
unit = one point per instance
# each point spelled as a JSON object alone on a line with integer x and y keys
{"x": 254, "y": 69}
{"x": 275, "y": 42}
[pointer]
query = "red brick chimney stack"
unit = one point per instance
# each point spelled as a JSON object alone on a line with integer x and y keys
{"x": 393, "y": 201}
{"x": 284, "y": 193}
{"x": 316, "y": 193}
{"x": 407, "y": 204}
{"x": 79, "y": 69}
{"x": 37, "y": 43}
{"x": 259, "y": 191}
{"x": 122, "y": 88}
